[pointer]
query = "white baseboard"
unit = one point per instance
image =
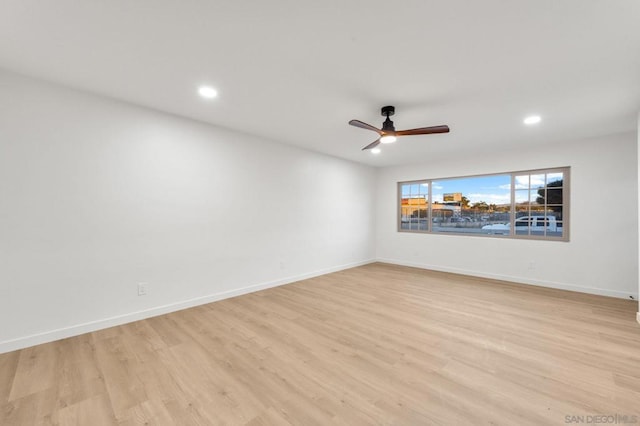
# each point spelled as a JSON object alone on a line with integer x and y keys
{"x": 75, "y": 330}
{"x": 515, "y": 279}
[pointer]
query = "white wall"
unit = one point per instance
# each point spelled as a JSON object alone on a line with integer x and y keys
{"x": 98, "y": 195}
{"x": 602, "y": 256}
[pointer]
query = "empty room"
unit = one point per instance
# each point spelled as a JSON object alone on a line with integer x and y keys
{"x": 319, "y": 213}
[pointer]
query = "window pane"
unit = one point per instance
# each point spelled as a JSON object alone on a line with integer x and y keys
{"x": 556, "y": 230}
{"x": 522, "y": 182}
{"x": 473, "y": 205}
{"x": 404, "y": 215}
{"x": 421, "y": 216}
{"x": 553, "y": 194}
{"x": 537, "y": 196}
{"x": 537, "y": 181}
{"x": 554, "y": 177}
{"x": 555, "y": 211}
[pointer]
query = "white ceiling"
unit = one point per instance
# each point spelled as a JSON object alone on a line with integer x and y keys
{"x": 296, "y": 71}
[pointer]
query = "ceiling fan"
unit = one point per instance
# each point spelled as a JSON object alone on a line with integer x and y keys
{"x": 388, "y": 133}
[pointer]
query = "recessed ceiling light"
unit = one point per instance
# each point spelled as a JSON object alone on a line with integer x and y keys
{"x": 533, "y": 119}
{"x": 376, "y": 151}
{"x": 207, "y": 92}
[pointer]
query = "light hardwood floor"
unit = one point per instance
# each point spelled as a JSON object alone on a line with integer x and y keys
{"x": 378, "y": 344}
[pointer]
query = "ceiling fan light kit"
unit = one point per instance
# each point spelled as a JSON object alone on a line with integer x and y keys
{"x": 388, "y": 133}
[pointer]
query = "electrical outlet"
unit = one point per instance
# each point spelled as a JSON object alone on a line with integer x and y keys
{"x": 142, "y": 289}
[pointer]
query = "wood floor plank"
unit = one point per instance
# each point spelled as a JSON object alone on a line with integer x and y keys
{"x": 377, "y": 344}
{"x": 120, "y": 368}
{"x": 36, "y": 371}
{"x": 95, "y": 410}
{"x": 8, "y": 368}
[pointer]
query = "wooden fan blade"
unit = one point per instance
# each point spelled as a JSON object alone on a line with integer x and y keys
{"x": 372, "y": 144}
{"x": 366, "y": 126}
{"x": 423, "y": 131}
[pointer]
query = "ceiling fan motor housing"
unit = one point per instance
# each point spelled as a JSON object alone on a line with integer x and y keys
{"x": 387, "y": 126}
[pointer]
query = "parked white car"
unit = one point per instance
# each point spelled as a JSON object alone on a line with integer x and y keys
{"x": 535, "y": 223}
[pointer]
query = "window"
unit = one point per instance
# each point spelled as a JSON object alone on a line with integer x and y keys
{"x": 528, "y": 204}
{"x": 540, "y": 195}
{"x": 413, "y": 210}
